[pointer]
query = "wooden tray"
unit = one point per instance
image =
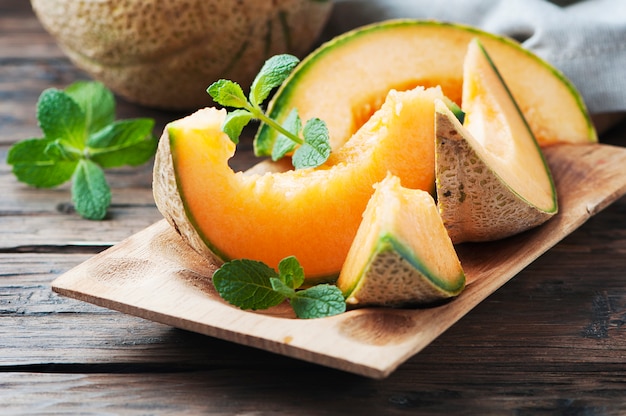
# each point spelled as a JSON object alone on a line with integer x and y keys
{"x": 154, "y": 275}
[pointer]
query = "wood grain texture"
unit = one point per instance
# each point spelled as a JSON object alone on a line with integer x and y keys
{"x": 551, "y": 363}
{"x": 550, "y": 341}
{"x": 155, "y": 275}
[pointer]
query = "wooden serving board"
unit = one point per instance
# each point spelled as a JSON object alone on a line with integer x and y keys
{"x": 154, "y": 275}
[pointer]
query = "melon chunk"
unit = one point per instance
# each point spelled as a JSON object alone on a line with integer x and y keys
{"x": 492, "y": 178}
{"x": 312, "y": 214}
{"x": 402, "y": 254}
{"x": 346, "y": 79}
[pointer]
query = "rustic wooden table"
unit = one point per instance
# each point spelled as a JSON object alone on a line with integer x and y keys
{"x": 551, "y": 341}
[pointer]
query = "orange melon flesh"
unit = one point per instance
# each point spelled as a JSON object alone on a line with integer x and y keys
{"x": 402, "y": 254}
{"x": 492, "y": 178}
{"x": 492, "y": 117}
{"x": 346, "y": 79}
{"x": 312, "y": 214}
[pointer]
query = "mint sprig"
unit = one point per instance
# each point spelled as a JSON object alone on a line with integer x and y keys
{"x": 310, "y": 145}
{"x": 80, "y": 139}
{"x": 250, "y": 284}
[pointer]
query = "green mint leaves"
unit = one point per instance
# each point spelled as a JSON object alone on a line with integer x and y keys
{"x": 90, "y": 191}
{"x": 250, "y": 284}
{"x": 80, "y": 139}
{"x": 310, "y": 145}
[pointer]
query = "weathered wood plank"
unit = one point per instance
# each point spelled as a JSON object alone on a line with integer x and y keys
{"x": 426, "y": 389}
{"x": 30, "y": 62}
{"x": 520, "y": 351}
{"x": 32, "y": 217}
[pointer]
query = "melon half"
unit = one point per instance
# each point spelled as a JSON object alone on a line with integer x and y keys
{"x": 492, "y": 178}
{"x": 346, "y": 79}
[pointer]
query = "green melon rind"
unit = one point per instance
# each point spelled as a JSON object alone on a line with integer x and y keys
{"x": 420, "y": 286}
{"x": 170, "y": 192}
{"x": 278, "y": 107}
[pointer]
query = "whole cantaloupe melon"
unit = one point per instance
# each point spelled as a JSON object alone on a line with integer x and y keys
{"x": 165, "y": 53}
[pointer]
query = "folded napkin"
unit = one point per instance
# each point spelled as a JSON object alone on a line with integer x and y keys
{"x": 586, "y": 40}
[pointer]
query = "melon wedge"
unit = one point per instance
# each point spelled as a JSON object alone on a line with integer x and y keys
{"x": 402, "y": 254}
{"x": 492, "y": 178}
{"x": 312, "y": 214}
{"x": 346, "y": 79}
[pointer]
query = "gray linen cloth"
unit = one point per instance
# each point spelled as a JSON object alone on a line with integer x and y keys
{"x": 586, "y": 40}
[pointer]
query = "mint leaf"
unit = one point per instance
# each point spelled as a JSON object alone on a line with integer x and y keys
{"x": 273, "y": 72}
{"x": 35, "y": 166}
{"x": 134, "y": 154}
{"x": 90, "y": 192}
{"x": 318, "y": 302}
{"x": 228, "y": 94}
{"x": 290, "y": 272}
{"x": 81, "y": 138}
{"x": 59, "y": 151}
{"x": 246, "y": 284}
{"x": 96, "y": 101}
{"x": 284, "y": 144}
{"x": 125, "y": 142}
{"x": 235, "y": 122}
{"x": 251, "y": 284}
{"x": 316, "y": 147}
{"x": 282, "y": 288}
{"x": 121, "y": 133}
{"x": 60, "y": 117}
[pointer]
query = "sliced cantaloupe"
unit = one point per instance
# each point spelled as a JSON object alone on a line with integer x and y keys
{"x": 492, "y": 178}
{"x": 402, "y": 254}
{"x": 345, "y": 80}
{"x": 312, "y": 214}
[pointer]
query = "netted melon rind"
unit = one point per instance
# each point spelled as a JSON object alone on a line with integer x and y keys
{"x": 474, "y": 203}
{"x": 165, "y": 54}
{"x": 390, "y": 279}
{"x": 169, "y": 202}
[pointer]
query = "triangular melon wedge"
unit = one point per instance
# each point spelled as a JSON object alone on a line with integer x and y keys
{"x": 402, "y": 254}
{"x": 492, "y": 178}
{"x": 346, "y": 79}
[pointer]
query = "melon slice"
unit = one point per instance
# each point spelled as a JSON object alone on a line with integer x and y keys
{"x": 346, "y": 79}
{"x": 312, "y": 214}
{"x": 492, "y": 178}
{"x": 402, "y": 254}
